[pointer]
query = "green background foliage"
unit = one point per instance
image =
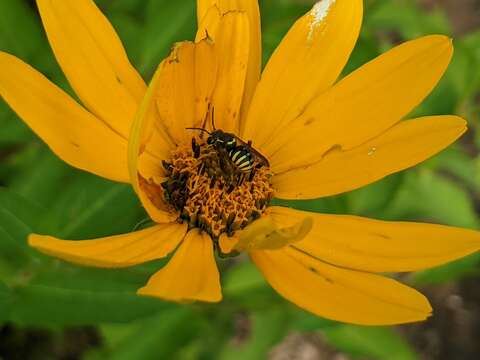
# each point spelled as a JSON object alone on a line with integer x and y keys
{"x": 39, "y": 193}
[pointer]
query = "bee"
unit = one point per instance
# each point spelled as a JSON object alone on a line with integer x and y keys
{"x": 240, "y": 153}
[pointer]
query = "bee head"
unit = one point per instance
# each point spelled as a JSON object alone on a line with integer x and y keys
{"x": 221, "y": 139}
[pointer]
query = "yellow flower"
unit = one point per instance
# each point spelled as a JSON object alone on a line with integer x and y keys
{"x": 320, "y": 136}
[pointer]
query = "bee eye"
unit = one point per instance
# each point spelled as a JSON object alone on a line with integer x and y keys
{"x": 210, "y": 141}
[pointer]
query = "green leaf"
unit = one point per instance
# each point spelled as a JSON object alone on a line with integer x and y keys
{"x": 89, "y": 207}
{"x": 15, "y": 15}
{"x": 40, "y": 174}
{"x": 18, "y": 218}
{"x": 371, "y": 200}
{"x": 167, "y": 22}
{"x": 459, "y": 165}
{"x": 131, "y": 32}
{"x": 41, "y": 305}
{"x": 430, "y": 197}
{"x": 370, "y": 342}
{"x": 14, "y": 131}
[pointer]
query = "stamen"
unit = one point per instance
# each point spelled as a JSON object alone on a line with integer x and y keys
{"x": 210, "y": 193}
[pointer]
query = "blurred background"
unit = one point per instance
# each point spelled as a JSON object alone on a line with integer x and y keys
{"x": 53, "y": 310}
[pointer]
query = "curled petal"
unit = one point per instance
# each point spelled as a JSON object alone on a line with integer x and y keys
{"x": 140, "y": 165}
{"x": 114, "y": 251}
{"x": 265, "y": 234}
{"x": 190, "y": 275}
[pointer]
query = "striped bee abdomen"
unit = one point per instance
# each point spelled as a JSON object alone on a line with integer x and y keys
{"x": 242, "y": 157}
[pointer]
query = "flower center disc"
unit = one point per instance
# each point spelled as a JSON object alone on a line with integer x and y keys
{"x": 211, "y": 193}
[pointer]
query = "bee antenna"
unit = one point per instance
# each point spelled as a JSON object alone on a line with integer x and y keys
{"x": 213, "y": 118}
{"x": 199, "y": 129}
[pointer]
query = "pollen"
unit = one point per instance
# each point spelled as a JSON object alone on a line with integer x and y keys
{"x": 210, "y": 193}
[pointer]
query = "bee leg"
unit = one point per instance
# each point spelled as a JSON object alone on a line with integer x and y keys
{"x": 212, "y": 182}
{"x": 195, "y": 149}
{"x": 230, "y": 189}
{"x": 240, "y": 179}
{"x": 252, "y": 175}
{"x": 249, "y": 143}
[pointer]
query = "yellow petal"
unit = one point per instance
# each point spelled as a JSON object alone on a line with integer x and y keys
{"x": 340, "y": 294}
{"x": 307, "y": 62}
{"x": 404, "y": 145}
{"x": 379, "y": 246}
{"x": 185, "y": 88}
{"x": 94, "y": 61}
{"x": 75, "y": 135}
{"x": 140, "y": 165}
{"x": 209, "y": 12}
{"x": 114, "y": 251}
{"x": 190, "y": 275}
{"x": 364, "y": 104}
{"x": 265, "y": 234}
{"x": 232, "y": 49}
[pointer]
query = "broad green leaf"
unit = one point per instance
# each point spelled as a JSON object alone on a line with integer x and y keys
{"x": 18, "y": 218}
{"x": 14, "y": 131}
{"x": 39, "y": 175}
{"x": 430, "y": 197}
{"x": 59, "y": 274}
{"x": 42, "y": 305}
{"x": 370, "y": 342}
{"x": 463, "y": 167}
{"x": 167, "y": 22}
{"x": 131, "y": 32}
{"x": 373, "y": 199}
{"x": 90, "y": 207}
{"x": 16, "y": 15}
